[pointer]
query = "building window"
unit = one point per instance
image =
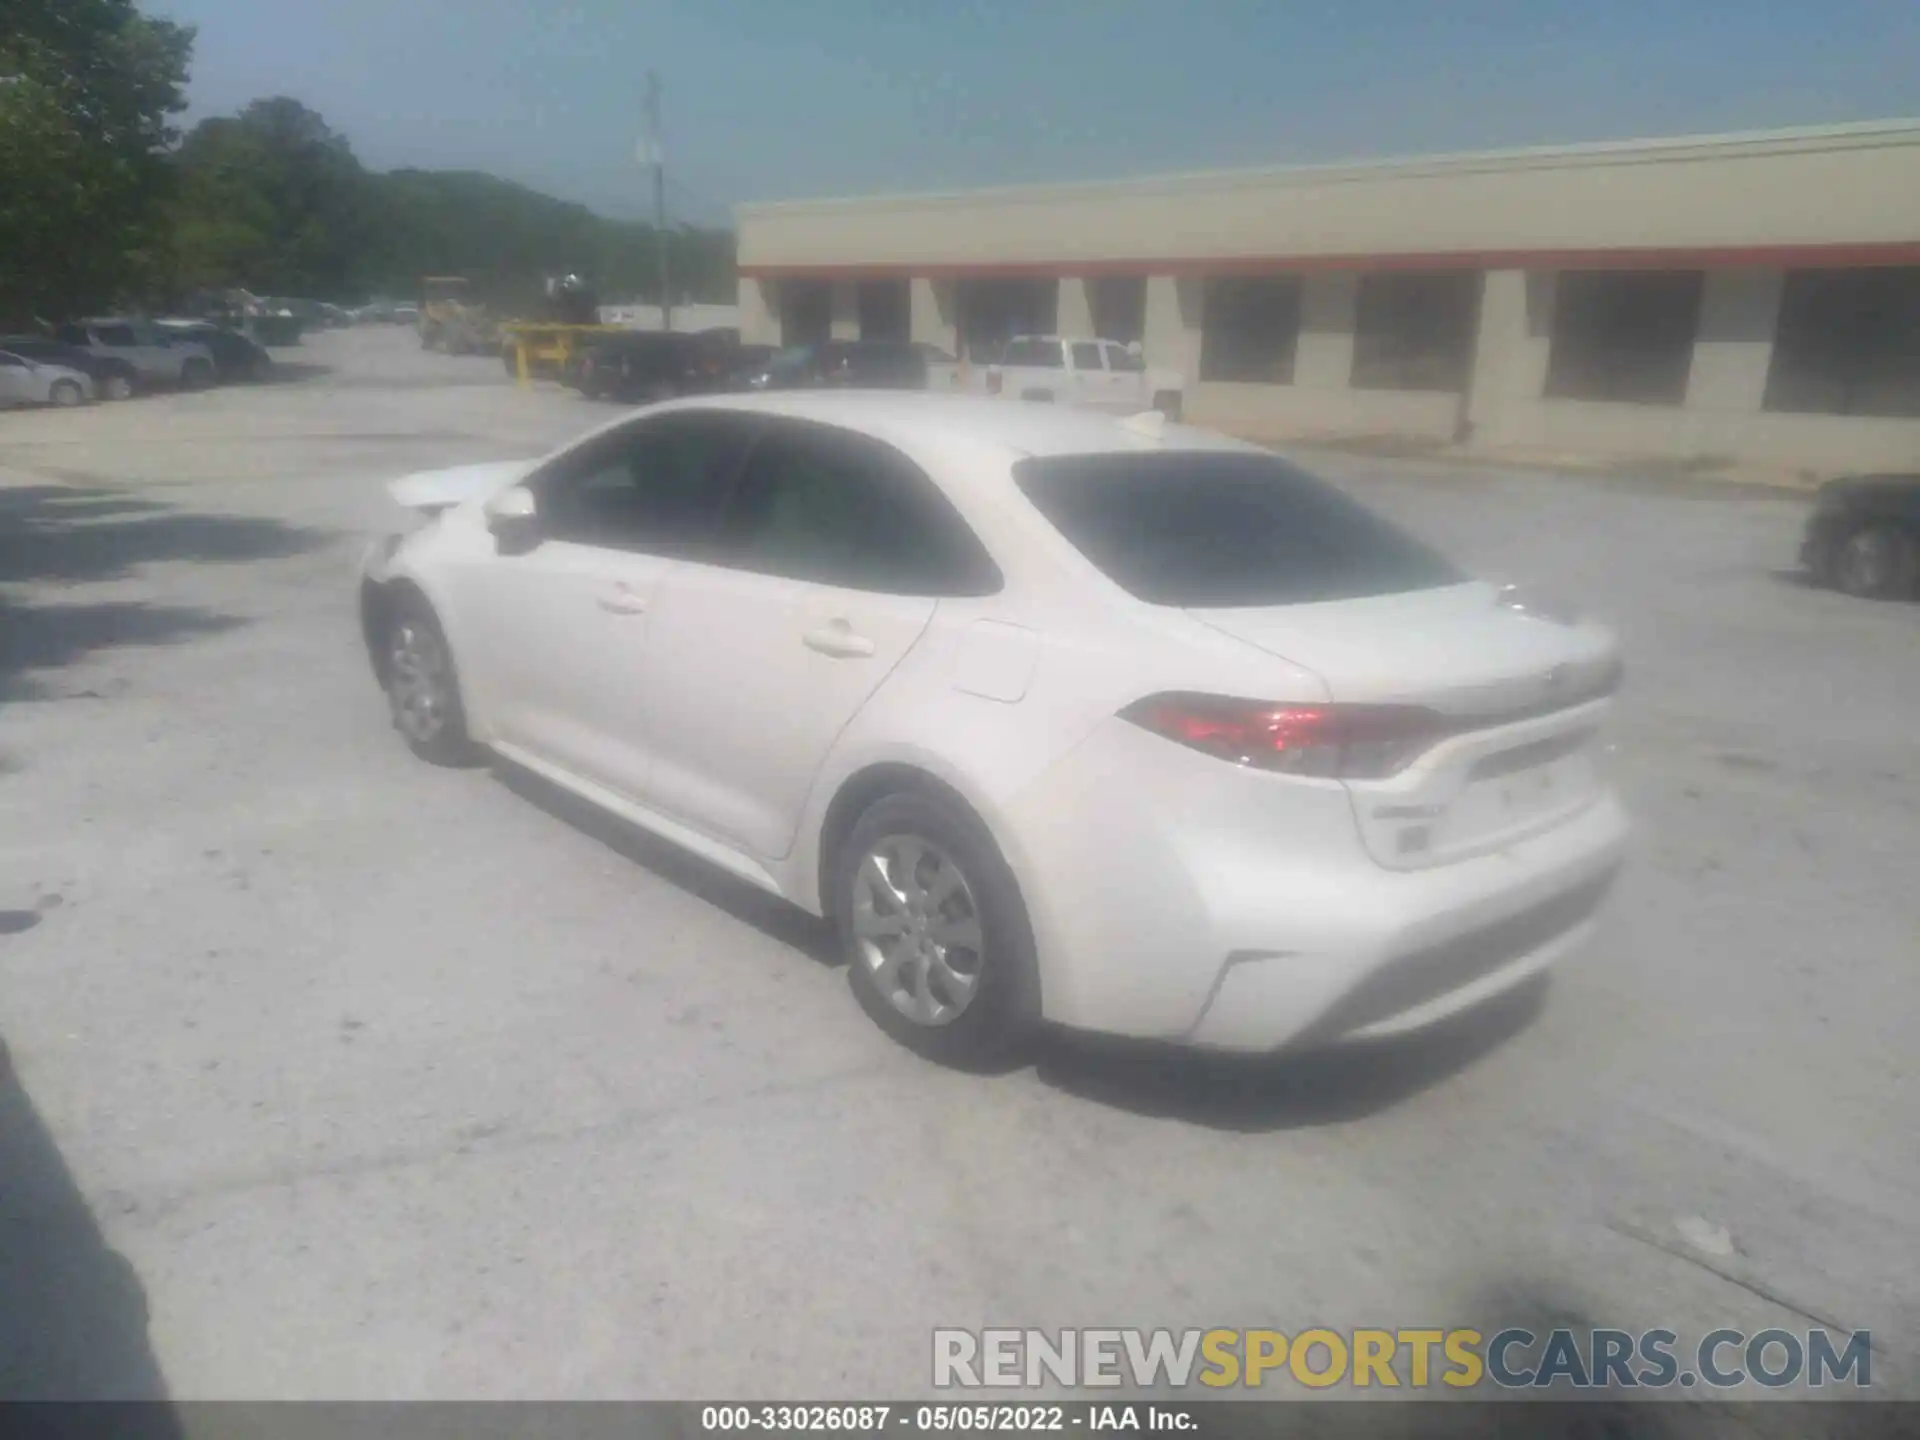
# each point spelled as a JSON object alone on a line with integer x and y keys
{"x": 1624, "y": 335}
{"x": 884, "y": 310}
{"x": 1119, "y": 305}
{"x": 1848, "y": 343}
{"x": 992, "y": 312}
{"x": 1415, "y": 332}
{"x": 1251, "y": 329}
{"x": 806, "y": 312}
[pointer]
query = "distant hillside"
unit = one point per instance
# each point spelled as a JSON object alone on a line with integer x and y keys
{"x": 273, "y": 200}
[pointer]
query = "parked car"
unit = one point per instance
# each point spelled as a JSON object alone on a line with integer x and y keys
{"x": 839, "y": 364}
{"x": 235, "y": 357}
{"x": 647, "y": 365}
{"x": 113, "y": 378}
{"x": 34, "y": 382}
{"x": 1119, "y": 724}
{"x": 1078, "y": 370}
{"x": 1863, "y": 536}
{"x": 158, "y": 357}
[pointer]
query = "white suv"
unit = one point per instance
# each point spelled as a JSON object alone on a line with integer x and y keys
{"x": 158, "y": 357}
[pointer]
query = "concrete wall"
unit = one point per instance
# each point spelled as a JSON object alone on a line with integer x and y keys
{"x": 1855, "y": 184}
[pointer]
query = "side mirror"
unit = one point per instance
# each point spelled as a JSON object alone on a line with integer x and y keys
{"x": 514, "y": 519}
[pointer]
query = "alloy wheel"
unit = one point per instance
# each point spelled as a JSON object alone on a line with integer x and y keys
{"x": 420, "y": 682}
{"x": 1867, "y": 562}
{"x": 916, "y": 926}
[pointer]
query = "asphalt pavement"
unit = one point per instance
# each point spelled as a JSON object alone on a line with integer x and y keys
{"x": 332, "y": 1074}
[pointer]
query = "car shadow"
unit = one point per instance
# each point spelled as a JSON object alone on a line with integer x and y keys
{"x": 769, "y": 914}
{"x": 294, "y": 372}
{"x": 73, "y": 1313}
{"x": 1330, "y": 1085}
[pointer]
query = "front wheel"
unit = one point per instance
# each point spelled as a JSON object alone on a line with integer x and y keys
{"x": 423, "y": 690}
{"x": 117, "y": 387}
{"x": 66, "y": 394}
{"x": 1876, "y": 562}
{"x": 1168, "y": 403}
{"x": 939, "y": 950}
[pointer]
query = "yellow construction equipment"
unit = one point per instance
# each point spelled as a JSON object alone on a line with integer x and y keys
{"x": 451, "y": 320}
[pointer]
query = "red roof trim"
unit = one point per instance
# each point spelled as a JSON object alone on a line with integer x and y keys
{"x": 1796, "y": 257}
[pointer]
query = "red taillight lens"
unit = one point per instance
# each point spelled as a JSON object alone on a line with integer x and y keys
{"x": 1345, "y": 742}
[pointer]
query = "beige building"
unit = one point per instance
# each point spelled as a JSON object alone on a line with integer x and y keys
{"x": 1752, "y": 297}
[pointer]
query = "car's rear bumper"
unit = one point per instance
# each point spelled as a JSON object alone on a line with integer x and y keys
{"x": 1173, "y": 898}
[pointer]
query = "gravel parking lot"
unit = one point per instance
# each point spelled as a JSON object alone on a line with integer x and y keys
{"x": 331, "y": 1074}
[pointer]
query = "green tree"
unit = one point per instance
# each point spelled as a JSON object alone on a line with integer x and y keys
{"x": 272, "y": 199}
{"x": 88, "y": 90}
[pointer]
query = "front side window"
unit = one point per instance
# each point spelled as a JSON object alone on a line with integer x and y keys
{"x": 119, "y": 336}
{"x": 836, "y": 508}
{"x": 1120, "y": 358}
{"x": 1086, "y": 356}
{"x": 658, "y": 488}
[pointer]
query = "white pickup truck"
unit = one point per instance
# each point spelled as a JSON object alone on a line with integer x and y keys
{"x": 1070, "y": 370}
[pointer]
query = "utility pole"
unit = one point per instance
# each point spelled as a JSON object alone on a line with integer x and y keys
{"x": 656, "y": 156}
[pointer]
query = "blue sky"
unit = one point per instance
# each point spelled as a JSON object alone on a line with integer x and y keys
{"x": 766, "y": 100}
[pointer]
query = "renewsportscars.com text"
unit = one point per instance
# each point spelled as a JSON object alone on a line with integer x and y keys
{"x": 1417, "y": 1359}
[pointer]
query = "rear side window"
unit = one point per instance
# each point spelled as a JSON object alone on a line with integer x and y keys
{"x": 835, "y": 508}
{"x": 1121, "y": 358}
{"x": 70, "y": 335}
{"x": 1039, "y": 354}
{"x": 1218, "y": 529}
{"x": 120, "y": 335}
{"x": 1086, "y": 356}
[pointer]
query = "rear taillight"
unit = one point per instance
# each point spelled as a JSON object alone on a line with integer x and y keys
{"x": 1343, "y": 742}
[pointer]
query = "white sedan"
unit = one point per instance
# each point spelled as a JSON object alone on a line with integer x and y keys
{"x": 1111, "y": 723}
{"x": 26, "y": 381}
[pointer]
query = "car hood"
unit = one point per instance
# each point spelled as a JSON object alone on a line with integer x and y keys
{"x": 431, "y": 490}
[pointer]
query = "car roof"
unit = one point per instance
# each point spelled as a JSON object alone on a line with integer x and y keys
{"x": 909, "y": 417}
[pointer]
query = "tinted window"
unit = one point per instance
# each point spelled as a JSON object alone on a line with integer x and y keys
{"x": 121, "y": 335}
{"x": 1250, "y": 329}
{"x": 659, "y": 487}
{"x": 1624, "y": 335}
{"x": 1086, "y": 356}
{"x": 1041, "y": 354}
{"x": 1121, "y": 358}
{"x": 1217, "y": 529}
{"x": 11, "y": 362}
{"x": 841, "y": 509}
{"x": 71, "y": 335}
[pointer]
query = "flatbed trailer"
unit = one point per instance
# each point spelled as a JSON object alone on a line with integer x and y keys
{"x": 536, "y": 349}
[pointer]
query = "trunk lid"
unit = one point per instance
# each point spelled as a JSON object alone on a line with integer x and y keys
{"x": 1520, "y": 699}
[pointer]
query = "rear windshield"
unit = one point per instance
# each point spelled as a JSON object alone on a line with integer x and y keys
{"x": 1220, "y": 529}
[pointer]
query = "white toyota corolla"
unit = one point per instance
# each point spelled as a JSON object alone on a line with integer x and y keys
{"x": 1119, "y": 724}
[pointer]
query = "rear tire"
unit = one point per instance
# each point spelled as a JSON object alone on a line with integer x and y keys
{"x": 66, "y": 394}
{"x": 1876, "y": 562}
{"x": 423, "y": 688}
{"x": 196, "y": 375}
{"x": 1169, "y": 403}
{"x": 939, "y": 950}
{"x": 117, "y": 387}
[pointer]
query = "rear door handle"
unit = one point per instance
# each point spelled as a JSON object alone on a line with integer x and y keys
{"x": 839, "y": 641}
{"x": 619, "y": 600}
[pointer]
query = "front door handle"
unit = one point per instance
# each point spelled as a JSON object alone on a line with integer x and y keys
{"x": 839, "y": 641}
{"x": 619, "y": 600}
